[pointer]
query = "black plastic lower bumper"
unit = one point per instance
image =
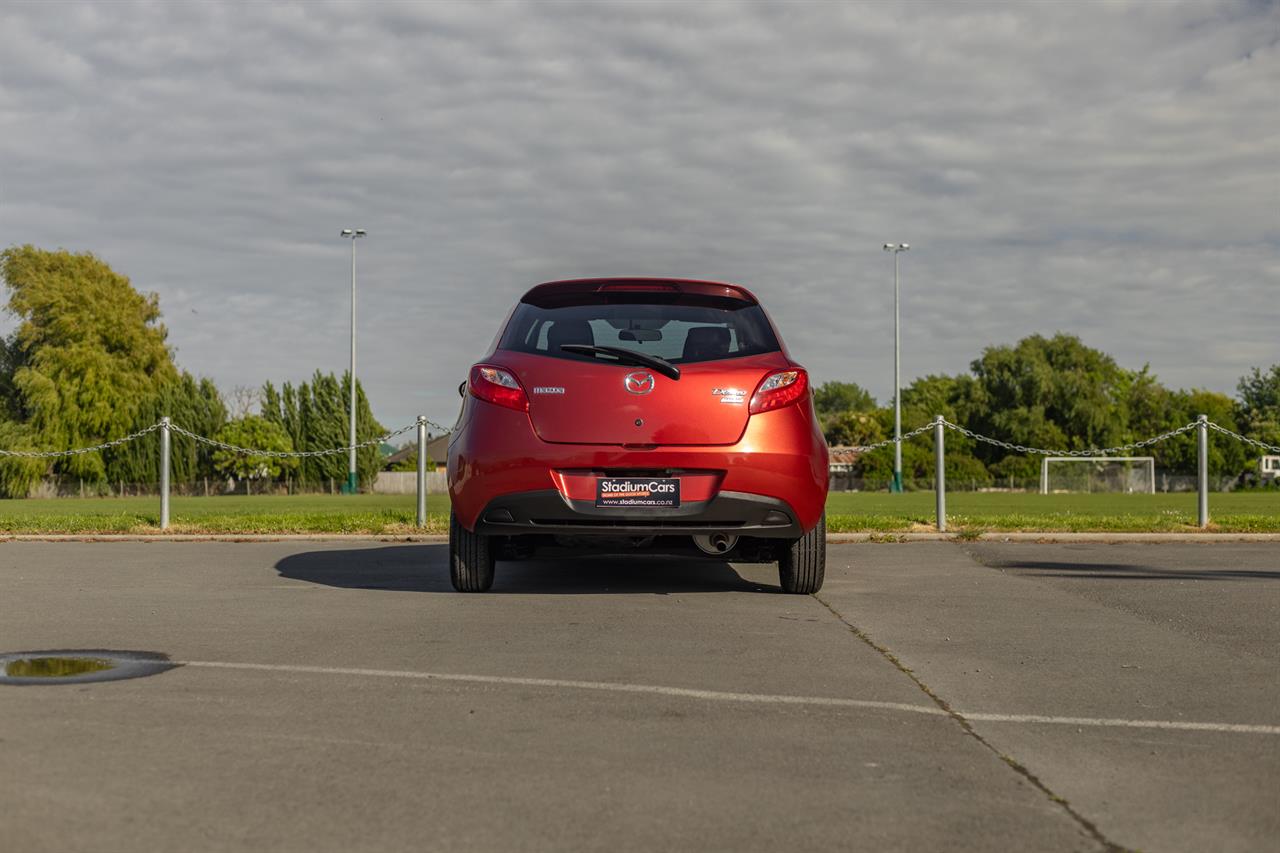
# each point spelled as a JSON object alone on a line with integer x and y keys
{"x": 549, "y": 512}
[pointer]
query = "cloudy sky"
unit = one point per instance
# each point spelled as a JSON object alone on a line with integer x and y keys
{"x": 1106, "y": 169}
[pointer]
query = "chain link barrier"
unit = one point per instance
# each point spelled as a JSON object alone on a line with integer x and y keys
{"x": 107, "y": 445}
{"x": 1093, "y": 451}
{"x": 290, "y": 454}
{"x": 1042, "y": 451}
{"x": 1238, "y": 437}
{"x": 866, "y": 448}
{"x": 222, "y": 445}
{"x": 861, "y": 448}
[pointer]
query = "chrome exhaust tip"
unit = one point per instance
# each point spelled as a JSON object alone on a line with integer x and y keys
{"x": 716, "y": 543}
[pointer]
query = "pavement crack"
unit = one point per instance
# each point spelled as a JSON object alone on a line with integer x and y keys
{"x": 1084, "y": 823}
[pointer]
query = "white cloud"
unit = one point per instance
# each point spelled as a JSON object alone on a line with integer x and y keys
{"x": 1110, "y": 173}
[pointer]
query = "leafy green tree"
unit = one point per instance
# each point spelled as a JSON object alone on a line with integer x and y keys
{"x": 314, "y": 416}
{"x": 922, "y": 401}
{"x": 1049, "y": 392}
{"x": 852, "y": 428}
{"x": 1227, "y": 457}
{"x": 18, "y": 475}
{"x": 192, "y": 404}
{"x": 1259, "y": 407}
{"x": 833, "y": 398}
{"x": 1149, "y": 407}
{"x": 1260, "y": 392}
{"x": 88, "y": 352}
{"x": 256, "y": 433}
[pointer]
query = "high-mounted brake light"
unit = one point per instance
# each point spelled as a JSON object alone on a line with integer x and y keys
{"x": 780, "y": 389}
{"x": 496, "y": 385}
{"x": 637, "y": 288}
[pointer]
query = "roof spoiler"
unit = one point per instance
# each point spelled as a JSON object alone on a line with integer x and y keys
{"x": 590, "y": 290}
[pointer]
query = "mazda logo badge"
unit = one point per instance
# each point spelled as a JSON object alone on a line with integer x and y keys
{"x": 639, "y": 382}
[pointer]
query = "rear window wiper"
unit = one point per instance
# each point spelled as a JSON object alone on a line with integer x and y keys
{"x": 661, "y": 365}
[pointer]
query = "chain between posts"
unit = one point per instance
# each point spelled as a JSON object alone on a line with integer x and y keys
{"x": 249, "y": 451}
{"x": 106, "y": 445}
{"x": 1238, "y": 437}
{"x": 299, "y": 454}
{"x": 866, "y": 448}
{"x": 861, "y": 448}
{"x": 1093, "y": 451}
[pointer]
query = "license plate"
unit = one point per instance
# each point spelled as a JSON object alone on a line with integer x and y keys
{"x": 637, "y": 492}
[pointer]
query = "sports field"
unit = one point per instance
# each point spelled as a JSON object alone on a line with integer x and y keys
{"x": 1257, "y": 512}
{"x": 1254, "y": 512}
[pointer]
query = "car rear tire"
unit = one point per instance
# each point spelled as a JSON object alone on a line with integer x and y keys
{"x": 471, "y": 558}
{"x": 803, "y": 564}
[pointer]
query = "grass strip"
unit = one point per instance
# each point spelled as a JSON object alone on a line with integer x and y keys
{"x": 391, "y": 515}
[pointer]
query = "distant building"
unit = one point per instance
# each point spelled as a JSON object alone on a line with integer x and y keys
{"x": 437, "y": 454}
{"x": 842, "y": 463}
{"x": 1269, "y": 467}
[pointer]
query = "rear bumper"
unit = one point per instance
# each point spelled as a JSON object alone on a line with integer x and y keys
{"x": 497, "y": 461}
{"x": 547, "y": 511}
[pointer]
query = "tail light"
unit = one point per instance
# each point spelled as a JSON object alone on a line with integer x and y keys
{"x": 496, "y": 385}
{"x": 780, "y": 389}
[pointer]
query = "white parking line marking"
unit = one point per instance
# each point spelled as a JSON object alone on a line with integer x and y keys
{"x": 1174, "y": 725}
{"x": 606, "y": 686}
{"x": 753, "y": 698}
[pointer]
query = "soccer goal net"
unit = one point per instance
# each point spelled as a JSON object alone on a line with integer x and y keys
{"x": 1098, "y": 474}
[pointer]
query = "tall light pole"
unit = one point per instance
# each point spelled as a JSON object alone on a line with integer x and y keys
{"x": 896, "y": 485}
{"x": 353, "y": 482}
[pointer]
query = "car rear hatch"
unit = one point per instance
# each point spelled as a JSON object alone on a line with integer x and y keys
{"x": 716, "y": 336}
{"x": 593, "y": 403}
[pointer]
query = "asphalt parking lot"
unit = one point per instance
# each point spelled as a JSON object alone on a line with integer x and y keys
{"x": 934, "y": 695}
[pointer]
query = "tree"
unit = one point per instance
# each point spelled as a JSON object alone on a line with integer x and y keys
{"x": 1260, "y": 392}
{"x": 192, "y": 404}
{"x": 88, "y": 352}
{"x": 243, "y": 400}
{"x": 1259, "y": 407}
{"x": 1051, "y": 390}
{"x": 833, "y": 398}
{"x": 1048, "y": 392}
{"x": 922, "y": 401}
{"x": 949, "y": 396}
{"x": 256, "y": 433}
{"x": 18, "y": 474}
{"x": 314, "y": 416}
{"x": 1227, "y": 457}
{"x": 852, "y": 428}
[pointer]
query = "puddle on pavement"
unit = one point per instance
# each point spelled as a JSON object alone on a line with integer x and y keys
{"x": 78, "y": 666}
{"x": 54, "y": 667}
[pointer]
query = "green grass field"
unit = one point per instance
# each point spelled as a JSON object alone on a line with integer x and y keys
{"x": 846, "y": 512}
{"x": 1257, "y": 512}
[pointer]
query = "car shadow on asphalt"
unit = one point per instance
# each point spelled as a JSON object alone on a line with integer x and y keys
{"x": 425, "y": 568}
{"x": 1128, "y": 571}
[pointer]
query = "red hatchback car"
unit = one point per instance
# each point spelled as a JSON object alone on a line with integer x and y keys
{"x": 638, "y": 415}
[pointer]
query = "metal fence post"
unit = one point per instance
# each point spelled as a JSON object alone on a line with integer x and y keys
{"x": 164, "y": 473}
{"x": 1202, "y": 444}
{"x": 422, "y": 471}
{"x": 940, "y": 477}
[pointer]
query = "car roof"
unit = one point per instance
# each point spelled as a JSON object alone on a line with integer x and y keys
{"x": 554, "y": 290}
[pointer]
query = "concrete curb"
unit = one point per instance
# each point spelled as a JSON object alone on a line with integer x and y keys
{"x": 1048, "y": 536}
{"x": 431, "y": 538}
{"x": 832, "y": 538}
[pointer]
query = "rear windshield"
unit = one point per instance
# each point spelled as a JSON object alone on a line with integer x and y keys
{"x": 678, "y": 332}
